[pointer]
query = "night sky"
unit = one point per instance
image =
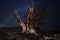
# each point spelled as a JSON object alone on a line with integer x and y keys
{"x": 51, "y": 19}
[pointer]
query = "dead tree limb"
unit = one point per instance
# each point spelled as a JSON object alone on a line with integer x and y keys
{"x": 20, "y": 22}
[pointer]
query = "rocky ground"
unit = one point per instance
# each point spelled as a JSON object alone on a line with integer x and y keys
{"x": 15, "y": 34}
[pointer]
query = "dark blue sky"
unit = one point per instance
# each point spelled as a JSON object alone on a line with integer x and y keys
{"x": 51, "y": 18}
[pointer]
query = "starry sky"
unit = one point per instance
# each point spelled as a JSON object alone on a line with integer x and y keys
{"x": 51, "y": 19}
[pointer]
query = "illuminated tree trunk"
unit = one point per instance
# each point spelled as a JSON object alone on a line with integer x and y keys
{"x": 20, "y": 22}
{"x": 28, "y": 28}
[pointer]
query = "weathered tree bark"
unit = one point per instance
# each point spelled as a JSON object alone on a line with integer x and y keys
{"x": 21, "y": 23}
{"x": 28, "y": 28}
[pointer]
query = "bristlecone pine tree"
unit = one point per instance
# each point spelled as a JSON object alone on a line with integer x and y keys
{"x": 32, "y": 21}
